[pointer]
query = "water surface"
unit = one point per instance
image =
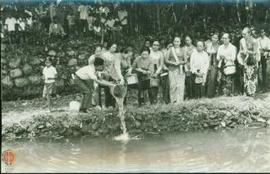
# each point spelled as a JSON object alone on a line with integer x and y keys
{"x": 208, "y": 151}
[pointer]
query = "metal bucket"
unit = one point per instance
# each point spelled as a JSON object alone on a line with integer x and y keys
{"x": 119, "y": 91}
{"x": 132, "y": 79}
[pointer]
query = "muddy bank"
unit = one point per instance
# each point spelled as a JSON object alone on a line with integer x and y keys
{"x": 193, "y": 115}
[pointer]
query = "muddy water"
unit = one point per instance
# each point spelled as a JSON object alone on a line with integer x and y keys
{"x": 208, "y": 151}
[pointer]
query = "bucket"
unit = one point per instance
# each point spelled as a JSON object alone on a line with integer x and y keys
{"x": 74, "y": 106}
{"x": 228, "y": 70}
{"x": 132, "y": 79}
{"x": 119, "y": 91}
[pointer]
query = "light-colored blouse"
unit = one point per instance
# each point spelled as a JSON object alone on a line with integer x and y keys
{"x": 229, "y": 52}
{"x": 199, "y": 61}
{"x": 112, "y": 64}
{"x": 157, "y": 58}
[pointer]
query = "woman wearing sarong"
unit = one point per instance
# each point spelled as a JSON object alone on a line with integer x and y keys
{"x": 249, "y": 56}
{"x": 157, "y": 58}
{"x": 199, "y": 64}
{"x": 211, "y": 49}
{"x": 189, "y": 82}
{"x": 226, "y": 56}
{"x": 176, "y": 61}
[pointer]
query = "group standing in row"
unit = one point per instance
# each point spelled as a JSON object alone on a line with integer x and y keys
{"x": 176, "y": 73}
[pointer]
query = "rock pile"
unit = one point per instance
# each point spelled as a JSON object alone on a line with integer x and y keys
{"x": 21, "y": 67}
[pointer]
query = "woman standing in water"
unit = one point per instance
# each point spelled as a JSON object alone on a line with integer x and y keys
{"x": 189, "y": 83}
{"x": 211, "y": 49}
{"x": 112, "y": 72}
{"x": 249, "y": 56}
{"x": 176, "y": 61}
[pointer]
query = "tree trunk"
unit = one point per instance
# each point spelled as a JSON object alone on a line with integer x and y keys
{"x": 158, "y": 17}
{"x": 238, "y": 11}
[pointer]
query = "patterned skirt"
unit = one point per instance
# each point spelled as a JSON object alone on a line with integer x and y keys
{"x": 177, "y": 85}
{"x": 250, "y": 80}
{"x": 227, "y": 84}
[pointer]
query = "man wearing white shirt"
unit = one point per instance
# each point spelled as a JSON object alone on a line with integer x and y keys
{"x": 264, "y": 46}
{"x": 10, "y": 23}
{"x": 85, "y": 78}
{"x": 226, "y": 56}
{"x": 83, "y": 10}
{"x": 199, "y": 64}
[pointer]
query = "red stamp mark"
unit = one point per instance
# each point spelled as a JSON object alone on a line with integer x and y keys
{"x": 9, "y": 157}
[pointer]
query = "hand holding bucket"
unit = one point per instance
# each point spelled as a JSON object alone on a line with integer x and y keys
{"x": 118, "y": 91}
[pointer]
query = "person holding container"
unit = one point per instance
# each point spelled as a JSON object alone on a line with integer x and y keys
{"x": 144, "y": 68}
{"x": 175, "y": 61}
{"x": 199, "y": 64}
{"x": 226, "y": 57}
{"x": 85, "y": 78}
{"x": 157, "y": 58}
{"x": 248, "y": 57}
{"x": 112, "y": 71}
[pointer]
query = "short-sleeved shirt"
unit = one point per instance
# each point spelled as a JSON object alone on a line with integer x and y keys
{"x": 112, "y": 64}
{"x": 264, "y": 43}
{"x": 10, "y": 22}
{"x": 83, "y": 12}
{"x": 155, "y": 57}
{"x": 49, "y": 72}
{"x": 87, "y": 73}
{"x": 142, "y": 63}
{"x": 71, "y": 20}
{"x": 122, "y": 15}
{"x": 229, "y": 52}
{"x": 110, "y": 23}
{"x": 22, "y": 25}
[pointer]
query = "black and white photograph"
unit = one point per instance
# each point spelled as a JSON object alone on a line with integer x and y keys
{"x": 135, "y": 86}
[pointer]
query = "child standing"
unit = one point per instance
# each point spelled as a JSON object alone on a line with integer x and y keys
{"x": 49, "y": 75}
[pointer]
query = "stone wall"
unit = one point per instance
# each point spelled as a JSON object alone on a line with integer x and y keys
{"x": 22, "y": 65}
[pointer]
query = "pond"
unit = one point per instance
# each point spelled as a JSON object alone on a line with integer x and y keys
{"x": 207, "y": 151}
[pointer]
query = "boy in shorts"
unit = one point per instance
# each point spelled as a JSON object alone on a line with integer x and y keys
{"x": 49, "y": 76}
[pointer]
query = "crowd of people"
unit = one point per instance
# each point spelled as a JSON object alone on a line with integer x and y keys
{"x": 184, "y": 68}
{"x": 62, "y": 21}
{"x": 207, "y": 69}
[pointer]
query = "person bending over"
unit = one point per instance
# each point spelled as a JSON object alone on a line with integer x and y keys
{"x": 85, "y": 78}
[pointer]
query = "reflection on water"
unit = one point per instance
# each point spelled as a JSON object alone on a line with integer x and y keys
{"x": 209, "y": 151}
